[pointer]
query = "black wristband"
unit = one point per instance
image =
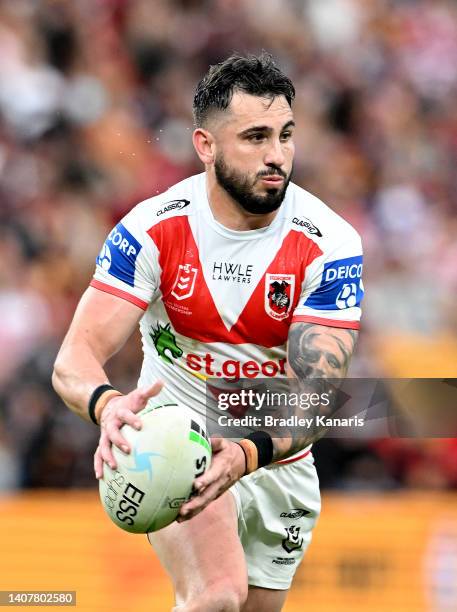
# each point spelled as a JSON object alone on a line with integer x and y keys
{"x": 94, "y": 399}
{"x": 245, "y": 458}
{"x": 264, "y": 445}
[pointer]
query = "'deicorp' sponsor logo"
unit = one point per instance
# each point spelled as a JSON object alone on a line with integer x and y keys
{"x": 341, "y": 285}
{"x": 307, "y": 225}
{"x": 119, "y": 253}
{"x": 279, "y": 294}
{"x": 173, "y": 205}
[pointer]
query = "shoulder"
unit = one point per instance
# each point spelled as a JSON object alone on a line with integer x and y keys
{"x": 309, "y": 214}
{"x": 181, "y": 199}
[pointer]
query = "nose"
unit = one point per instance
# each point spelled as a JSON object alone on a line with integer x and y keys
{"x": 275, "y": 154}
{"x": 318, "y": 367}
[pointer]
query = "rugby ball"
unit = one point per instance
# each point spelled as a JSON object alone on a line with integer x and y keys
{"x": 151, "y": 482}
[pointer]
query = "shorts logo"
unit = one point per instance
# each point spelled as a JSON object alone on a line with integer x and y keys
{"x": 341, "y": 285}
{"x": 185, "y": 282}
{"x": 119, "y": 253}
{"x": 295, "y": 513}
{"x": 284, "y": 561}
{"x": 292, "y": 541}
{"x": 279, "y": 294}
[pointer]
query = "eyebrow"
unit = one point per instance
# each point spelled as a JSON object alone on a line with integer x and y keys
{"x": 265, "y": 128}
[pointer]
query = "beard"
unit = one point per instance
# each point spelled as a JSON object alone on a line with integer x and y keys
{"x": 241, "y": 188}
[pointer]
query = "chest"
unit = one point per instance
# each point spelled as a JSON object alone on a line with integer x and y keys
{"x": 215, "y": 289}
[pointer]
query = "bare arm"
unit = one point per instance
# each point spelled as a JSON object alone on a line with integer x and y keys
{"x": 314, "y": 351}
{"x": 100, "y": 327}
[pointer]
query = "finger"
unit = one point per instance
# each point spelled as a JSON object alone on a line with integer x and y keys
{"x": 209, "y": 477}
{"x": 129, "y": 417}
{"x": 217, "y": 444}
{"x": 206, "y": 495}
{"x": 199, "y": 503}
{"x": 98, "y": 464}
{"x": 145, "y": 393}
{"x": 139, "y": 398}
{"x": 105, "y": 451}
{"x": 116, "y": 438}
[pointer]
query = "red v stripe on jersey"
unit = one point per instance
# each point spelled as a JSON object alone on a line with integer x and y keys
{"x": 197, "y": 316}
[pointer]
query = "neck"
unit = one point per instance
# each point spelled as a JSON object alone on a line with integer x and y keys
{"x": 229, "y": 213}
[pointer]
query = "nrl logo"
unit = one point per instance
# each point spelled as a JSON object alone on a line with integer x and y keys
{"x": 164, "y": 340}
{"x": 185, "y": 282}
{"x": 279, "y": 295}
{"x": 292, "y": 541}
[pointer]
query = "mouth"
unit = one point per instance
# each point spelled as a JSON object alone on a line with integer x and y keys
{"x": 273, "y": 180}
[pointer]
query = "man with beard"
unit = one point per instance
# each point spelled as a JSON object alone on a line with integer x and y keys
{"x": 233, "y": 267}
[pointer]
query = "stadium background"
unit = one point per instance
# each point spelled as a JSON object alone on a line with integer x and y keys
{"x": 95, "y": 115}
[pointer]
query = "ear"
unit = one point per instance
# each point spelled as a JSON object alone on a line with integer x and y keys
{"x": 204, "y": 145}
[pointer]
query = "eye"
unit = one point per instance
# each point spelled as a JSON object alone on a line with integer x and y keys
{"x": 256, "y": 137}
{"x": 286, "y": 136}
{"x": 333, "y": 362}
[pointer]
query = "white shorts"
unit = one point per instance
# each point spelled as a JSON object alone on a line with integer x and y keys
{"x": 277, "y": 507}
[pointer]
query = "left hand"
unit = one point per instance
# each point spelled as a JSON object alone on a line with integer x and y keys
{"x": 227, "y": 466}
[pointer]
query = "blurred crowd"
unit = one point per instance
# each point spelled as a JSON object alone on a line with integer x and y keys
{"x": 95, "y": 115}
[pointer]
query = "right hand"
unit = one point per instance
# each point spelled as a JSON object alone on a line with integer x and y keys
{"x": 120, "y": 410}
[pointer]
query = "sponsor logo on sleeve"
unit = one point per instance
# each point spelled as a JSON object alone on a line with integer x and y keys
{"x": 119, "y": 253}
{"x": 173, "y": 205}
{"x": 341, "y": 285}
{"x": 307, "y": 225}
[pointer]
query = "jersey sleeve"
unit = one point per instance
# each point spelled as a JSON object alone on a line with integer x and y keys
{"x": 127, "y": 263}
{"x": 333, "y": 287}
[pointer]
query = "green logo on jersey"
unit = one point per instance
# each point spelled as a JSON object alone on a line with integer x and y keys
{"x": 164, "y": 340}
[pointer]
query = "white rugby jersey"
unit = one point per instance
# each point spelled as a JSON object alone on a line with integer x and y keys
{"x": 219, "y": 303}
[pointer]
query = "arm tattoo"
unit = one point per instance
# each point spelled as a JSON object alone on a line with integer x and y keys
{"x": 314, "y": 352}
{"x": 317, "y": 351}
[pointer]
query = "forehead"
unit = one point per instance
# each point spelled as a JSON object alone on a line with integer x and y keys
{"x": 246, "y": 110}
{"x": 324, "y": 342}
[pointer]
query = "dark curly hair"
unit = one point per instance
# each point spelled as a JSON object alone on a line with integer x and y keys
{"x": 252, "y": 74}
